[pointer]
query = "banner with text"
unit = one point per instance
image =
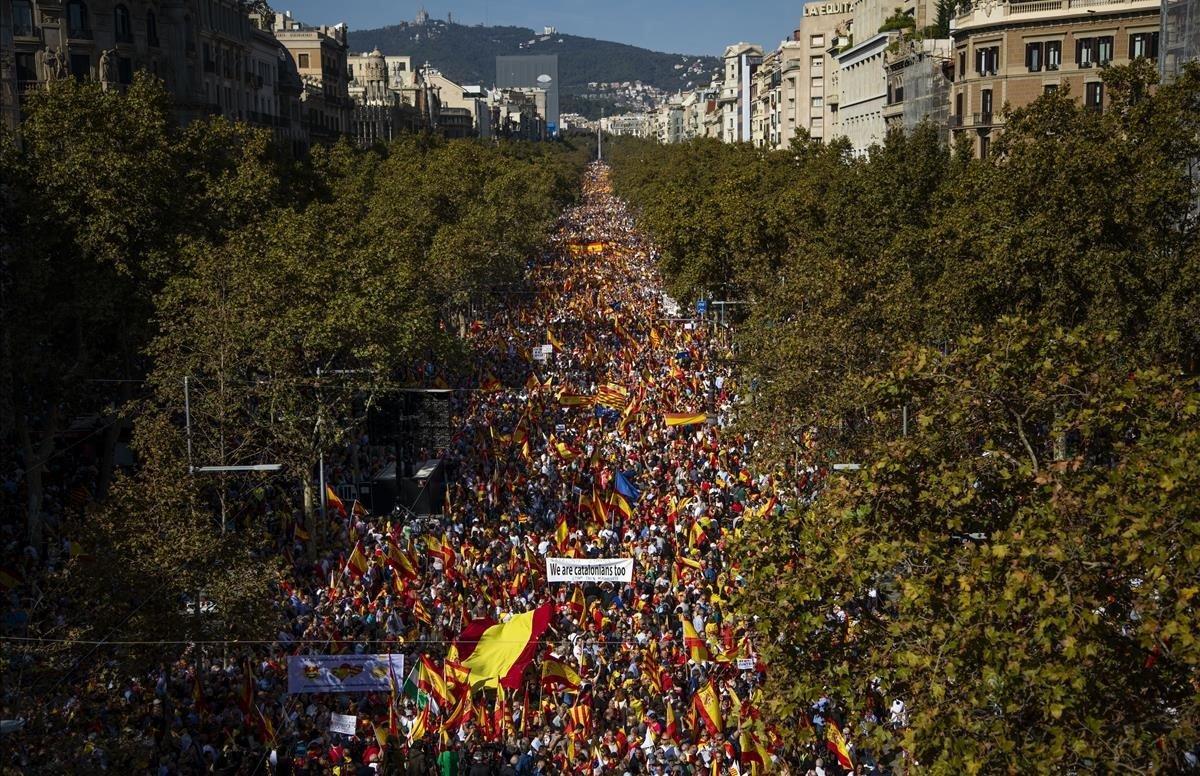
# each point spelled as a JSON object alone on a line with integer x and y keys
{"x": 589, "y": 570}
{"x": 344, "y": 673}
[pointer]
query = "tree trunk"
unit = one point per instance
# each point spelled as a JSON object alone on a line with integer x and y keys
{"x": 35, "y": 466}
{"x": 310, "y": 514}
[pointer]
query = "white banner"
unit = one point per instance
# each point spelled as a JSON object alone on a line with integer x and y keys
{"x": 343, "y": 673}
{"x": 542, "y": 353}
{"x": 589, "y": 570}
{"x": 347, "y": 724}
{"x": 746, "y": 663}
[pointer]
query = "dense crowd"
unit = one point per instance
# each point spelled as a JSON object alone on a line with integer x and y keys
{"x": 532, "y": 472}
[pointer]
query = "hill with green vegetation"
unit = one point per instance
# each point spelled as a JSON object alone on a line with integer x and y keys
{"x": 468, "y": 55}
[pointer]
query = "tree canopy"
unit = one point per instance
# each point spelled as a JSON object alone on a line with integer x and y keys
{"x": 1001, "y": 354}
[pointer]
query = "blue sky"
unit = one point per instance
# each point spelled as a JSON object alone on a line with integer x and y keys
{"x": 676, "y": 26}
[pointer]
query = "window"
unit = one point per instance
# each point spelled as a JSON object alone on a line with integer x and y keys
{"x": 189, "y": 40}
{"x": 985, "y": 146}
{"x": 124, "y": 70}
{"x": 302, "y": 60}
{"x": 962, "y": 64}
{"x": 818, "y": 82}
{"x": 987, "y": 60}
{"x": 817, "y": 64}
{"x": 1093, "y": 95}
{"x": 1104, "y": 49}
{"x": 22, "y": 18}
{"x": 1049, "y": 88}
{"x": 1085, "y": 52}
{"x": 81, "y": 66}
{"x": 210, "y": 65}
{"x": 1053, "y": 54}
{"x": 818, "y": 102}
{"x": 1033, "y": 57}
{"x": 985, "y": 104}
{"x": 121, "y": 26}
{"x": 151, "y": 28}
{"x": 816, "y": 41}
{"x": 26, "y": 69}
{"x": 1143, "y": 45}
{"x": 77, "y": 20}
{"x": 958, "y": 104}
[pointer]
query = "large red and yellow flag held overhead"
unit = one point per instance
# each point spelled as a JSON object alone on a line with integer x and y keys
{"x": 497, "y": 653}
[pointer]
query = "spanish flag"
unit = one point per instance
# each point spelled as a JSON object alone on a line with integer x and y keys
{"x": 456, "y": 674}
{"x": 708, "y": 706}
{"x": 696, "y": 648}
{"x": 671, "y": 730}
{"x": 561, "y": 531}
{"x": 420, "y": 726}
{"x": 496, "y": 653}
{"x": 357, "y": 565}
{"x": 430, "y": 680}
{"x": 491, "y": 384}
{"x": 836, "y": 743}
{"x": 685, "y": 418}
{"x": 400, "y": 562}
{"x": 557, "y": 675}
{"x": 753, "y": 754}
{"x": 333, "y": 502}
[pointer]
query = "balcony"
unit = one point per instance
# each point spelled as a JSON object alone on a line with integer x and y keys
{"x": 955, "y": 122}
{"x": 982, "y": 119}
{"x": 979, "y": 14}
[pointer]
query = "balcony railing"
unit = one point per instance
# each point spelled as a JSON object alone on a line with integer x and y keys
{"x": 956, "y": 122}
{"x": 982, "y": 119}
{"x": 1004, "y": 10}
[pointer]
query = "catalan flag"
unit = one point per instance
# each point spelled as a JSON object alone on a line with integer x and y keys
{"x": 553, "y": 340}
{"x": 490, "y": 384}
{"x": 496, "y": 653}
{"x": 557, "y": 675}
{"x": 613, "y": 396}
{"x": 685, "y": 418}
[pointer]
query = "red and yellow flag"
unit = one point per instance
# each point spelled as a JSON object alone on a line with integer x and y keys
{"x": 708, "y": 706}
{"x": 557, "y": 675}
{"x": 696, "y": 647}
{"x": 685, "y": 418}
{"x": 836, "y": 743}
{"x": 357, "y": 565}
{"x": 333, "y": 502}
{"x": 497, "y": 654}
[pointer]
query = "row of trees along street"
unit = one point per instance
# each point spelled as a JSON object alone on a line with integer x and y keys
{"x": 1008, "y": 348}
{"x": 288, "y": 292}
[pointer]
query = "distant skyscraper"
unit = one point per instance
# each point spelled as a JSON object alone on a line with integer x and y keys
{"x": 532, "y": 72}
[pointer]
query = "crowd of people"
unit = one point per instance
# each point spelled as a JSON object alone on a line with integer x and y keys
{"x": 613, "y": 442}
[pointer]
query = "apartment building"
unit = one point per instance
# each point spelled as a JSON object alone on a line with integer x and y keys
{"x": 919, "y": 75}
{"x": 813, "y": 72}
{"x": 1009, "y": 53}
{"x": 320, "y": 56}
{"x": 215, "y": 57}
{"x": 741, "y": 61}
